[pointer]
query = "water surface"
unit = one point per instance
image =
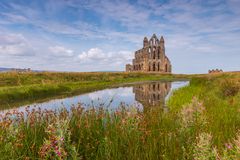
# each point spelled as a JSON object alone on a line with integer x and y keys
{"x": 146, "y": 94}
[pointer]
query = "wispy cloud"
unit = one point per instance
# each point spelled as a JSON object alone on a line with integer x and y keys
{"x": 98, "y": 56}
{"x": 102, "y": 31}
{"x": 61, "y": 51}
{"x": 15, "y": 45}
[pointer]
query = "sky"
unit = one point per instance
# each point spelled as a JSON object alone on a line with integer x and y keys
{"x": 102, "y": 35}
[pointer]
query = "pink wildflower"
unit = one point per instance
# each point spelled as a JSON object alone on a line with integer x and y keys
{"x": 228, "y": 145}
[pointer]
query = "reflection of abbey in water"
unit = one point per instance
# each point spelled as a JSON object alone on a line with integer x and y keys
{"x": 152, "y": 94}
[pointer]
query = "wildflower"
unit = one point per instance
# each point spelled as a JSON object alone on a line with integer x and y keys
{"x": 203, "y": 149}
{"x": 58, "y": 142}
{"x": 228, "y": 145}
{"x": 192, "y": 112}
{"x": 58, "y": 153}
{"x": 237, "y": 143}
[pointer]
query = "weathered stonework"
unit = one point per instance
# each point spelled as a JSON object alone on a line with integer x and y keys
{"x": 151, "y": 58}
{"x": 215, "y": 71}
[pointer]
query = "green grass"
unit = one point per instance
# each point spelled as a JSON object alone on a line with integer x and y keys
{"x": 222, "y": 110}
{"x": 203, "y": 122}
{"x": 23, "y": 88}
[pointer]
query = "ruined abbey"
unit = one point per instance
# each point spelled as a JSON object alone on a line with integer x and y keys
{"x": 151, "y": 58}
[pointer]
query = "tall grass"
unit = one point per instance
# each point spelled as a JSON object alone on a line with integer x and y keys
{"x": 222, "y": 110}
{"x": 24, "y": 87}
{"x": 201, "y": 124}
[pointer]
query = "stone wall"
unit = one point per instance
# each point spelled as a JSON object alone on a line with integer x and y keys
{"x": 151, "y": 58}
{"x": 215, "y": 71}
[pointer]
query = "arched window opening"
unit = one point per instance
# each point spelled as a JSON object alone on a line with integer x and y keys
{"x": 154, "y": 67}
{"x": 149, "y": 67}
{"x": 154, "y": 55}
{"x": 158, "y": 66}
{"x": 166, "y": 68}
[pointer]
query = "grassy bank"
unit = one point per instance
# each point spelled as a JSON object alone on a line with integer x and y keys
{"x": 220, "y": 96}
{"x": 203, "y": 122}
{"x": 17, "y": 88}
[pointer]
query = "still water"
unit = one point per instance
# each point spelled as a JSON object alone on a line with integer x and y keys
{"x": 141, "y": 95}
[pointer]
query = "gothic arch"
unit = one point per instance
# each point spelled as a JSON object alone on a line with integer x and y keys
{"x": 154, "y": 66}
{"x": 158, "y": 66}
{"x": 166, "y": 86}
{"x": 166, "y": 68}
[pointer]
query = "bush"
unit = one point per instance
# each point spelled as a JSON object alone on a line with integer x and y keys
{"x": 229, "y": 88}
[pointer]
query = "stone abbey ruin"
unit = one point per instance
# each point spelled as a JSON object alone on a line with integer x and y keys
{"x": 151, "y": 58}
{"x": 215, "y": 71}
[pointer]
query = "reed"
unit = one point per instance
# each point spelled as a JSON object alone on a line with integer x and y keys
{"x": 22, "y": 88}
{"x": 201, "y": 124}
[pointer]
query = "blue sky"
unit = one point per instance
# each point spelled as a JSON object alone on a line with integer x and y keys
{"x": 102, "y": 35}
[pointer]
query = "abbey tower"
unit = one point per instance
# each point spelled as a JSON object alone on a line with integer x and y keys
{"x": 151, "y": 58}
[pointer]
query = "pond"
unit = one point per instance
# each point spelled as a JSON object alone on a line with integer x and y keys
{"x": 144, "y": 94}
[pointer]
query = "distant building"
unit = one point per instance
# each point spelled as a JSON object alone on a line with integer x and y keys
{"x": 151, "y": 58}
{"x": 20, "y": 70}
{"x": 215, "y": 71}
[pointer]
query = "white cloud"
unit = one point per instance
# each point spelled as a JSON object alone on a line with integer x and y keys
{"x": 191, "y": 29}
{"x": 14, "y": 18}
{"x": 106, "y": 60}
{"x": 61, "y": 51}
{"x": 15, "y": 45}
{"x": 9, "y": 39}
{"x": 93, "y": 54}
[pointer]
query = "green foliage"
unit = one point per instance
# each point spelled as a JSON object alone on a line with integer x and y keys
{"x": 200, "y": 124}
{"x": 203, "y": 148}
{"x": 229, "y": 88}
{"x": 29, "y": 87}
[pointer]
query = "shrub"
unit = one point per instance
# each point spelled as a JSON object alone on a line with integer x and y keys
{"x": 229, "y": 88}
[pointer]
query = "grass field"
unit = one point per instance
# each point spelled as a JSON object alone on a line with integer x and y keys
{"x": 203, "y": 122}
{"x": 24, "y": 88}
